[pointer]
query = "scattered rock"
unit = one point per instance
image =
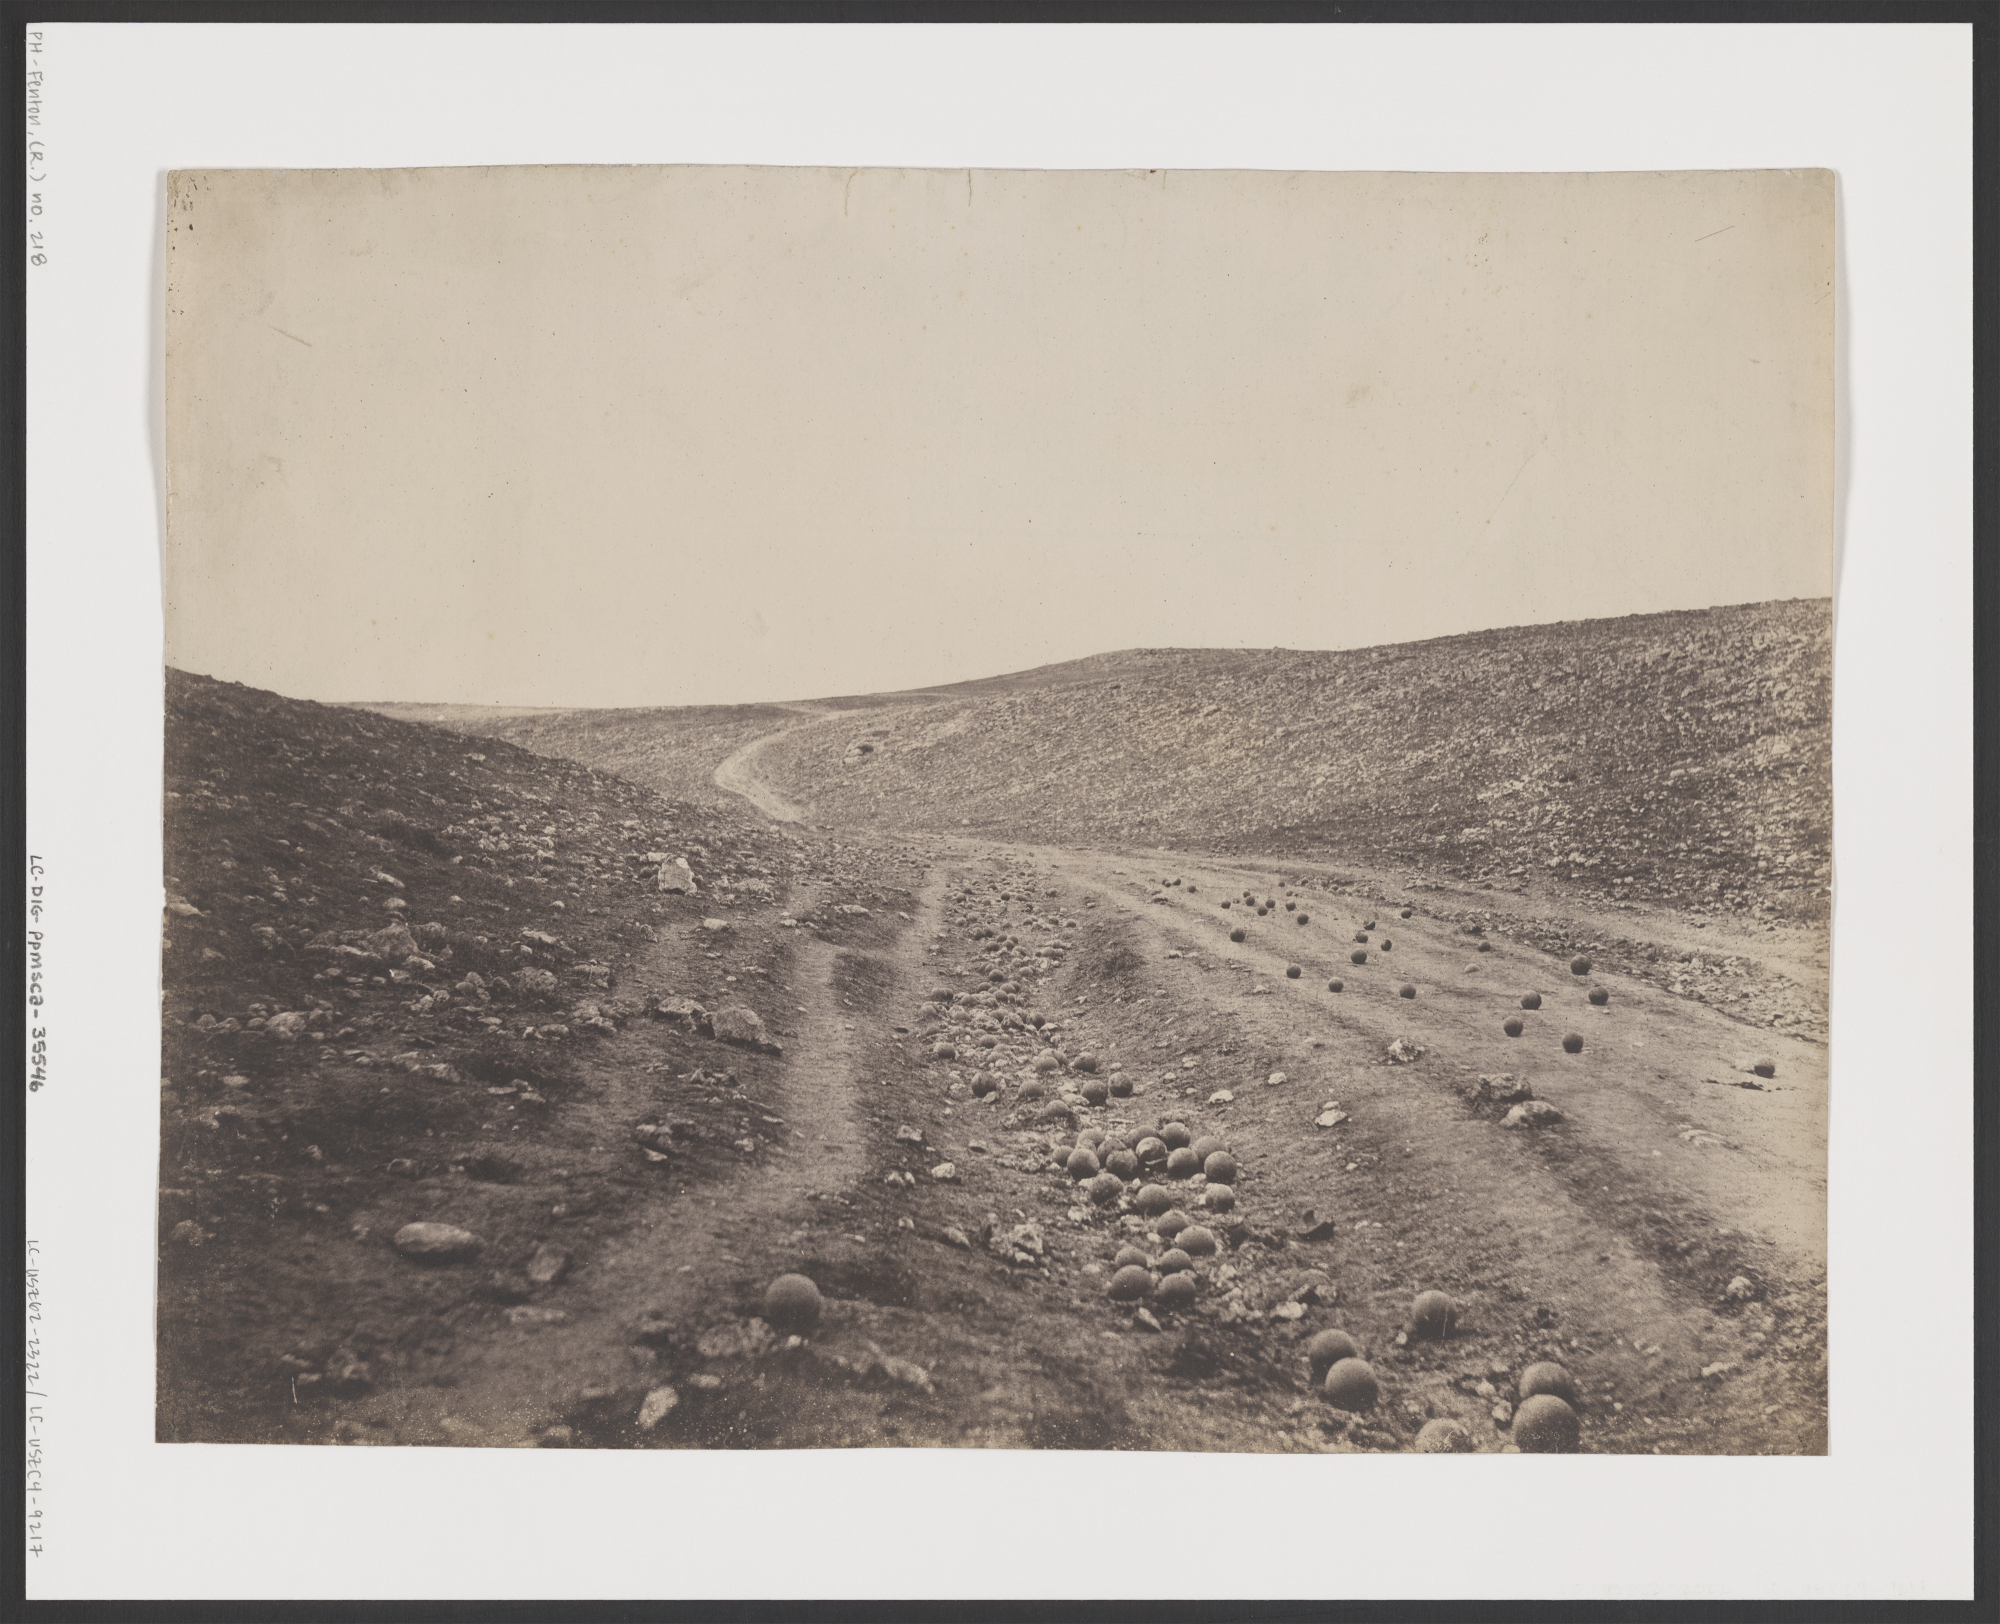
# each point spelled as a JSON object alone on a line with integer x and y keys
{"x": 548, "y": 1264}
{"x": 744, "y": 1028}
{"x": 658, "y": 1406}
{"x": 1504, "y": 1089}
{"x": 1531, "y": 1114}
{"x": 1443, "y": 1436}
{"x": 287, "y": 1027}
{"x": 436, "y": 1243}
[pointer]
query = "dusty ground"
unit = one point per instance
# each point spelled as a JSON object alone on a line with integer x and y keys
{"x": 669, "y": 1176}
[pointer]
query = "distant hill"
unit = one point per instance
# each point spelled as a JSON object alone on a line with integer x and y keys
{"x": 1681, "y": 757}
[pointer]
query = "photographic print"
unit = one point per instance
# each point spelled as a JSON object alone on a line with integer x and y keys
{"x": 1108, "y": 810}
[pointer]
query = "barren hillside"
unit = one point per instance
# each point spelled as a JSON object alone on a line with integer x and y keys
{"x": 1680, "y": 758}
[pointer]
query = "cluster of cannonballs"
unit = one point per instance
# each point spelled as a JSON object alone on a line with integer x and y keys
{"x": 1572, "y": 1042}
{"x": 1545, "y": 1423}
{"x": 1104, "y": 1165}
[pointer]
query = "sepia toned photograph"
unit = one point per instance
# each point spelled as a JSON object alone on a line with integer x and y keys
{"x": 1145, "y": 810}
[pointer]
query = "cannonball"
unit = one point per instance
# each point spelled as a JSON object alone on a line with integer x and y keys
{"x": 1183, "y": 1163}
{"x": 1547, "y": 1377}
{"x": 1154, "y": 1199}
{"x": 1579, "y": 966}
{"x": 1105, "y": 1188}
{"x": 1486, "y": 947}
{"x": 1169, "y": 1224}
{"x": 1386, "y": 944}
{"x": 1292, "y": 972}
{"x": 1123, "y": 1163}
{"x": 1207, "y": 1145}
{"x": 1085, "y": 1063}
{"x": 1367, "y": 924}
{"x": 1350, "y": 1385}
{"x": 984, "y": 1083}
{"x": 1151, "y": 1151}
{"x": 1406, "y": 991}
{"x": 1513, "y": 1026}
{"x": 1336, "y": 986}
{"x": 1032, "y": 1090}
{"x": 1405, "y": 914}
{"x": 1305, "y": 919}
{"x": 1544, "y": 1425}
{"x": 1262, "y": 911}
{"x": 1218, "y": 1198}
{"x": 1361, "y": 935}
{"x": 943, "y": 1051}
{"x": 1443, "y": 1436}
{"x": 1765, "y": 1068}
{"x": 1081, "y": 1164}
{"x": 1129, "y": 1256}
{"x": 1358, "y": 956}
{"x": 1091, "y": 1138}
{"x": 1173, "y": 1260}
{"x": 1096, "y": 1091}
{"x": 1121, "y": 1087}
{"x": 1433, "y": 1315}
{"x": 1291, "y": 907}
{"x": 1572, "y": 1043}
{"x": 1600, "y": 995}
{"x": 1238, "y": 934}
{"x": 1176, "y": 1291}
{"x": 1046, "y": 1062}
{"x": 791, "y": 1305}
{"x": 1130, "y": 1284}
{"x": 1225, "y": 904}
{"x": 1174, "y": 1135}
{"x": 1327, "y": 1349}
{"x": 1197, "y": 1240}
{"x": 1531, "y": 1000}
{"x": 1220, "y": 1167}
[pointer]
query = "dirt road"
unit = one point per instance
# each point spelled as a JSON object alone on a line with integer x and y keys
{"x": 947, "y": 1011}
{"x": 1610, "y": 1241}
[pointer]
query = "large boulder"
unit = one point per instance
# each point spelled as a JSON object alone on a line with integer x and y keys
{"x": 745, "y": 1029}
{"x": 533, "y": 983}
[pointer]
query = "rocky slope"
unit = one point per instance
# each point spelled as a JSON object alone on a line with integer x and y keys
{"x": 1680, "y": 758}
{"x": 390, "y": 962}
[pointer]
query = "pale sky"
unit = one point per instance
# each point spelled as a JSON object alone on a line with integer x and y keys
{"x": 654, "y": 436}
